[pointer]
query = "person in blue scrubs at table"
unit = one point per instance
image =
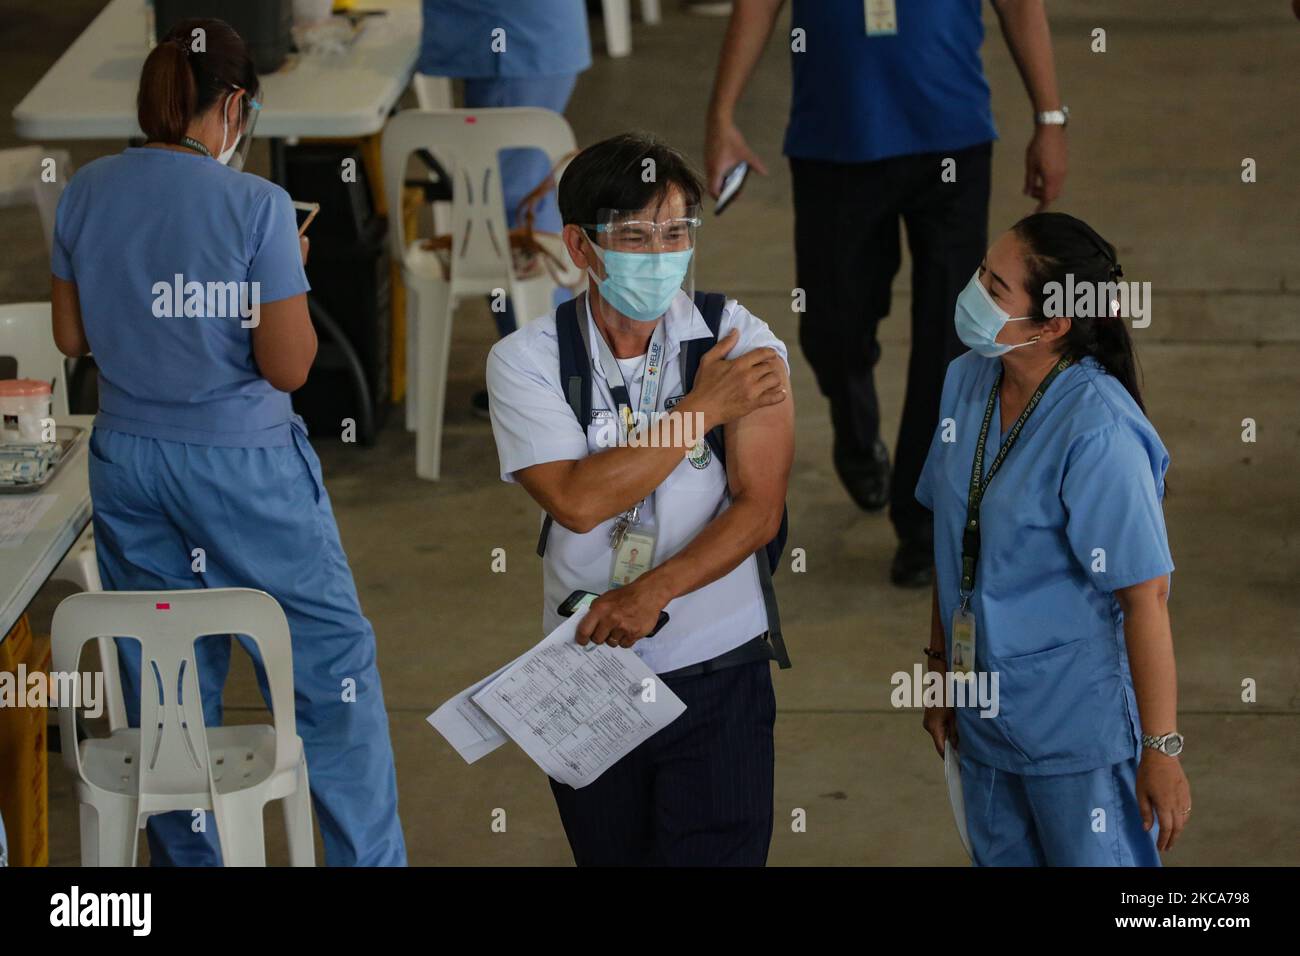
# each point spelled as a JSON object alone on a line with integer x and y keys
{"x": 1052, "y": 564}
{"x": 510, "y": 54}
{"x": 201, "y": 475}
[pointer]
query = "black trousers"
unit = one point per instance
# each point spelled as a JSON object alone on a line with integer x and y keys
{"x": 698, "y": 793}
{"x": 846, "y": 255}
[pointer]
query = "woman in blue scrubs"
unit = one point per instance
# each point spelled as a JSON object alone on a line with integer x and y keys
{"x": 185, "y": 278}
{"x": 1052, "y": 565}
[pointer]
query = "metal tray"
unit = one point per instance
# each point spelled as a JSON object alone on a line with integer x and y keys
{"x": 68, "y": 436}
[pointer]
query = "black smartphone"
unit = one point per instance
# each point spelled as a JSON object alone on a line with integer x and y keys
{"x": 580, "y": 600}
{"x": 732, "y": 183}
{"x": 576, "y": 602}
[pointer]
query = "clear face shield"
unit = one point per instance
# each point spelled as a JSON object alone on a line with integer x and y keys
{"x": 645, "y": 258}
{"x": 237, "y": 137}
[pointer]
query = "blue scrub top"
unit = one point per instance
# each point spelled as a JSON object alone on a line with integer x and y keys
{"x": 126, "y": 227}
{"x": 860, "y": 98}
{"x": 1072, "y": 515}
{"x": 542, "y": 38}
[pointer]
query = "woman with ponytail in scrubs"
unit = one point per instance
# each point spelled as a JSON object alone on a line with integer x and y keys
{"x": 1052, "y": 565}
{"x": 200, "y": 473}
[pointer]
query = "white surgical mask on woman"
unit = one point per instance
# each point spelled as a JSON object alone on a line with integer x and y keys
{"x": 979, "y": 320}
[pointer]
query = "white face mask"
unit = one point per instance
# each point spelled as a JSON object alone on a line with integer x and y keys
{"x": 979, "y": 320}
{"x": 223, "y": 157}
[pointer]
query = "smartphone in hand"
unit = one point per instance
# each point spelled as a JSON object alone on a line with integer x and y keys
{"x": 581, "y": 600}
{"x": 732, "y": 183}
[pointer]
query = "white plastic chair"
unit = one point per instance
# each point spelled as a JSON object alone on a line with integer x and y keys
{"x": 172, "y": 761}
{"x": 431, "y": 93}
{"x": 468, "y": 143}
{"x": 617, "y": 16}
{"x": 22, "y": 182}
{"x": 25, "y": 335}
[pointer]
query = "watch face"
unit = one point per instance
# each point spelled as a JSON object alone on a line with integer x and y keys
{"x": 1173, "y": 745}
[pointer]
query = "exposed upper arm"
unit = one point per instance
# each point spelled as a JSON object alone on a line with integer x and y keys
{"x": 284, "y": 342}
{"x": 1156, "y": 591}
{"x": 65, "y": 310}
{"x": 760, "y": 452}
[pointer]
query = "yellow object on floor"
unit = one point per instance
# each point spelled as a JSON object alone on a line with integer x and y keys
{"x": 24, "y": 800}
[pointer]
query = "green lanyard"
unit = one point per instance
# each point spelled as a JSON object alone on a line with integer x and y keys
{"x": 190, "y": 142}
{"x": 979, "y": 482}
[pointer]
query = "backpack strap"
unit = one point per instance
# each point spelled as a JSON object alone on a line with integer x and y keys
{"x": 575, "y": 377}
{"x": 767, "y": 557}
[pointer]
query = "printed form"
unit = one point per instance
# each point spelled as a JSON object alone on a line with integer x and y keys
{"x": 574, "y": 710}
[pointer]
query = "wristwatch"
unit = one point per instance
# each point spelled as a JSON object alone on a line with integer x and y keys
{"x": 1059, "y": 117}
{"x": 1169, "y": 744}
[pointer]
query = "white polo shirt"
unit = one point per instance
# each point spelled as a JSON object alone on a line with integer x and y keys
{"x": 533, "y": 423}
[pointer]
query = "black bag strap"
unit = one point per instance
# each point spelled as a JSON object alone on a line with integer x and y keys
{"x": 575, "y": 379}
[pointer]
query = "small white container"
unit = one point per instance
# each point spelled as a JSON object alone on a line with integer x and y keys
{"x": 25, "y": 403}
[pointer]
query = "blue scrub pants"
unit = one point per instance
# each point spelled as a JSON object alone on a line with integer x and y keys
{"x": 1056, "y": 820}
{"x": 263, "y": 519}
{"x": 523, "y": 169}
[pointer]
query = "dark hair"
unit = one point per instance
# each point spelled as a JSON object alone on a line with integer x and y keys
{"x": 179, "y": 83}
{"x": 1059, "y": 245}
{"x": 611, "y": 175}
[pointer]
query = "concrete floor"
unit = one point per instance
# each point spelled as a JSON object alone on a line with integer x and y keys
{"x": 1160, "y": 126}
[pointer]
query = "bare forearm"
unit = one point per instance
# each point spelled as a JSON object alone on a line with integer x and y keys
{"x": 65, "y": 311}
{"x": 600, "y": 486}
{"x": 937, "y": 640}
{"x": 720, "y": 547}
{"x": 747, "y": 35}
{"x": 1151, "y": 661}
{"x": 1024, "y": 25}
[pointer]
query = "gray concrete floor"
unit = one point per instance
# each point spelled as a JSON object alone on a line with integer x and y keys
{"x": 1160, "y": 126}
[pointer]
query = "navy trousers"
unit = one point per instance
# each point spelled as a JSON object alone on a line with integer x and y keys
{"x": 698, "y": 793}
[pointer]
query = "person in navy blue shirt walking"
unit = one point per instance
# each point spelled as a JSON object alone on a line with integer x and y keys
{"x": 889, "y": 118}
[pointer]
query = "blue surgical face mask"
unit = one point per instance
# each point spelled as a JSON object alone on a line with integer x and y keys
{"x": 641, "y": 285}
{"x": 979, "y": 320}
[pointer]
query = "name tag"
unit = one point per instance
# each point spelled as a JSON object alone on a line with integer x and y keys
{"x": 882, "y": 18}
{"x": 963, "y": 642}
{"x": 670, "y": 402}
{"x": 602, "y": 415}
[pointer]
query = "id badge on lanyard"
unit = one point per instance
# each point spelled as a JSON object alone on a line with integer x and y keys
{"x": 633, "y": 537}
{"x": 963, "y": 618}
{"x": 882, "y": 18}
{"x": 963, "y": 641}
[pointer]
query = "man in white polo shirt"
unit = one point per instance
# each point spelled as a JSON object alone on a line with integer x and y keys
{"x": 642, "y": 511}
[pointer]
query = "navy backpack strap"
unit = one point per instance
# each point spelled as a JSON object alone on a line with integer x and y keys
{"x": 711, "y": 305}
{"x": 575, "y": 379}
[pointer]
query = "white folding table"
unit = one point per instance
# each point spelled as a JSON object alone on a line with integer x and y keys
{"x": 25, "y": 568}
{"x": 89, "y": 93}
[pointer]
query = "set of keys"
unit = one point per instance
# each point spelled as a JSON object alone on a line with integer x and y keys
{"x": 625, "y": 521}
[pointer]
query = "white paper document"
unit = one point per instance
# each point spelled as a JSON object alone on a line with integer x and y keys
{"x": 574, "y": 710}
{"x": 465, "y": 726}
{"x": 19, "y": 515}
